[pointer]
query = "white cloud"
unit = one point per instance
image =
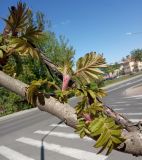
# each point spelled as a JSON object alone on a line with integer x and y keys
{"x": 129, "y": 33}
{"x": 65, "y": 22}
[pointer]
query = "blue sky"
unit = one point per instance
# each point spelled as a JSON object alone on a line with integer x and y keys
{"x": 104, "y": 26}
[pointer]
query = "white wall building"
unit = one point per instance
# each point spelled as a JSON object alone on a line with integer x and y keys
{"x": 129, "y": 66}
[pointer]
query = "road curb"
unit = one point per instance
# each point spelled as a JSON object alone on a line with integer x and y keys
{"x": 118, "y": 83}
{"x": 17, "y": 114}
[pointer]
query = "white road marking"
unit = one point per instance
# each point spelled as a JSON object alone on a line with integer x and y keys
{"x": 12, "y": 154}
{"x": 132, "y": 114}
{"x": 123, "y": 85}
{"x": 125, "y": 104}
{"x": 64, "y": 135}
{"x": 61, "y": 125}
{"x": 115, "y": 105}
{"x": 137, "y": 96}
{"x": 118, "y": 109}
{"x": 67, "y": 151}
{"x": 136, "y": 120}
{"x": 128, "y": 83}
{"x": 120, "y": 102}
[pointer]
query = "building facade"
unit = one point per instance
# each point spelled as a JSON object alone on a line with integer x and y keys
{"x": 129, "y": 66}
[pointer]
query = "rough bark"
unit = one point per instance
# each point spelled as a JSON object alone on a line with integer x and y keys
{"x": 132, "y": 145}
{"x": 122, "y": 120}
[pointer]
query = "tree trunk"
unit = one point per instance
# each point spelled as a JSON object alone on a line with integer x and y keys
{"x": 132, "y": 145}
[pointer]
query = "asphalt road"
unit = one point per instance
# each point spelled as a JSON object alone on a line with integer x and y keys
{"x": 20, "y": 136}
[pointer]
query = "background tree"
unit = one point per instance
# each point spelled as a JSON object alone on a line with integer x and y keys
{"x": 111, "y": 68}
{"x": 31, "y": 69}
{"x": 136, "y": 55}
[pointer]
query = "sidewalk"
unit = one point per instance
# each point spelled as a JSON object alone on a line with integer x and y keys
{"x": 134, "y": 91}
{"x": 118, "y": 83}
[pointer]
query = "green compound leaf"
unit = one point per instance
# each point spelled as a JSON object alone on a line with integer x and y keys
{"x": 95, "y": 107}
{"x": 81, "y": 128}
{"x": 95, "y": 126}
{"x": 1, "y": 53}
{"x": 23, "y": 47}
{"x": 108, "y": 133}
{"x": 80, "y": 106}
{"x": 89, "y": 67}
{"x": 104, "y": 137}
{"x": 63, "y": 96}
{"x": 92, "y": 93}
{"x": 32, "y": 92}
{"x": 32, "y": 34}
{"x": 18, "y": 18}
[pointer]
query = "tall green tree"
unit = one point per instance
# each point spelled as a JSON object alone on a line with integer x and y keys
{"x": 31, "y": 69}
{"x": 136, "y": 55}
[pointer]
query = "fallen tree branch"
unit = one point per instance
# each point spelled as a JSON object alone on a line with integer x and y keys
{"x": 120, "y": 119}
{"x": 50, "y": 65}
{"x": 132, "y": 144}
